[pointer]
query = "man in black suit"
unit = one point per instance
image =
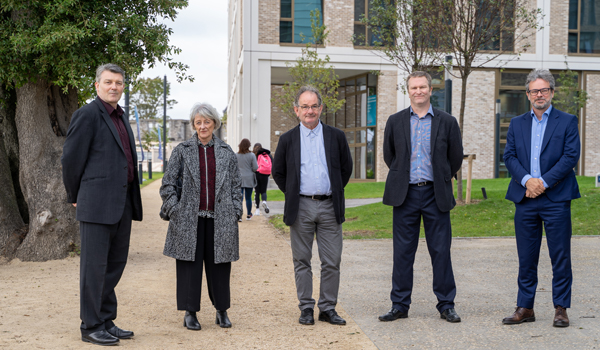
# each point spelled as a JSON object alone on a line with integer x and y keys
{"x": 422, "y": 147}
{"x": 101, "y": 180}
{"x": 312, "y": 166}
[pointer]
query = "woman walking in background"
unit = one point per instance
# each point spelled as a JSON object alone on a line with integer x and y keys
{"x": 264, "y": 161}
{"x": 203, "y": 225}
{"x": 247, "y": 165}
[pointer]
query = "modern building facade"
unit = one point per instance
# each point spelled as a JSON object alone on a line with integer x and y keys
{"x": 264, "y": 39}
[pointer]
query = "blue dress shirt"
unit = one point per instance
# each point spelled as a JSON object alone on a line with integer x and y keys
{"x": 538, "y": 128}
{"x": 314, "y": 175}
{"x": 420, "y": 144}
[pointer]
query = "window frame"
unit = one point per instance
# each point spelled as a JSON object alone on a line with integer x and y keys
{"x": 291, "y": 19}
{"x": 578, "y": 32}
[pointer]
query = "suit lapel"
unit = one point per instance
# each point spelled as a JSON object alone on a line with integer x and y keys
{"x": 327, "y": 142}
{"x": 131, "y": 138}
{"x": 526, "y": 137}
{"x": 109, "y": 123}
{"x": 550, "y": 127}
{"x": 296, "y": 149}
{"x": 221, "y": 162}
{"x": 435, "y": 126}
{"x": 192, "y": 160}
{"x": 405, "y": 125}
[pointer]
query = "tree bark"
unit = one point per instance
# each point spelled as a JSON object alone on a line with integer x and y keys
{"x": 42, "y": 118}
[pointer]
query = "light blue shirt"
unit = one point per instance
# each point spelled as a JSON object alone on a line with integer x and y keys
{"x": 314, "y": 175}
{"x": 538, "y": 128}
{"x": 420, "y": 147}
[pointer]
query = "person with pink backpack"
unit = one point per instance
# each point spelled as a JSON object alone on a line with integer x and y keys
{"x": 265, "y": 162}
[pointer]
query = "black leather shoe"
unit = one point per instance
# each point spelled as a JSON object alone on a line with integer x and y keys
{"x": 307, "y": 317}
{"x": 223, "y": 320}
{"x": 332, "y": 317}
{"x": 190, "y": 321}
{"x": 450, "y": 315}
{"x": 393, "y": 315}
{"x": 101, "y": 337}
{"x": 120, "y": 333}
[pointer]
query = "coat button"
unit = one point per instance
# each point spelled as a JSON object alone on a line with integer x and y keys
{"x": 124, "y": 186}
{"x": 219, "y": 201}
{"x": 125, "y": 167}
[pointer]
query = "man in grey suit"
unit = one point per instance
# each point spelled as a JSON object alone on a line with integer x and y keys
{"x": 101, "y": 180}
{"x": 423, "y": 149}
{"x": 312, "y": 166}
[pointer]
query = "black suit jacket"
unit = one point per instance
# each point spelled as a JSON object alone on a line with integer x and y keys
{"x": 446, "y": 157}
{"x": 94, "y": 167}
{"x": 286, "y": 170}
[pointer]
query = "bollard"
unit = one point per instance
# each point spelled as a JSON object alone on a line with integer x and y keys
{"x": 598, "y": 180}
{"x": 149, "y": 169}
{"x": 484, "y": 193}
{"x": 141, "y": 172}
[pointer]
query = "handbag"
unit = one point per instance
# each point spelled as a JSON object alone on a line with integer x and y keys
{"x": 178, "y": 187}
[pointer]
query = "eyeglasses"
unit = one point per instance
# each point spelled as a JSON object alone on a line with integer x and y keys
{"x": 544, "y": 91}
{"x": 306, "y": 108}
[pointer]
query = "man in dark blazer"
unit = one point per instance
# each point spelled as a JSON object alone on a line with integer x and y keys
{"x": 312, "y": 166}
{"x": 422, "y": 147}
{"x": 101, "y": 180}
{"x": 542, "y": 148}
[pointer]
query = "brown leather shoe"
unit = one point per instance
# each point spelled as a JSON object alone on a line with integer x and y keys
{"x": 560, "y": 317}
{"x": 521, "y": 315}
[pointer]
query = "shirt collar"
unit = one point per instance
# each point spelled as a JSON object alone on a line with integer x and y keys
{"x": 430, "y": 111}
{"x": 546, "y": 114}
{"x": 209, "y": 144}
{"x": 110, "y": 109}
{"x": 306, "y": 131}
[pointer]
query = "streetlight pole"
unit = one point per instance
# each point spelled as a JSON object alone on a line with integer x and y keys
{"x": 448, "y": 85}
{"x": 164, "y": 124}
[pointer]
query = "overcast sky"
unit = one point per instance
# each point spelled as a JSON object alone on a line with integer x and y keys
{"x": 200, "y": 31}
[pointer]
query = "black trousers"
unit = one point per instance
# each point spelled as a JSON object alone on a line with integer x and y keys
{"x": 262, "y": 181}
{"x": 420, "y": 203}
{"x": 104, "y": 250}
{"x": 189, "y": 273}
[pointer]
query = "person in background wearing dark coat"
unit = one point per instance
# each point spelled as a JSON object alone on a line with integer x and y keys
{"x": 204, "y": 222}
{"x": 262, "y": 178}
{"x": 423, "y": 149}
{"x": 312, "y": 166}
{"x": 247, "y": 165}
{"x": 100, "y": 175}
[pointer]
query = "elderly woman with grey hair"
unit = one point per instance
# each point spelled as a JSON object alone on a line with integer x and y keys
{"x": 203, "y": 224}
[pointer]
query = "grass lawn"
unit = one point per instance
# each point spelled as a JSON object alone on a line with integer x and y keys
{"x": 485, "y": 218}
{"x": 155, "y": 176}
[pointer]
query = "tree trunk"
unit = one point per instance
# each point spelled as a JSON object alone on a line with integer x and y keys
{"x": 461, "y": 120}
{"x": 42, "y": 118}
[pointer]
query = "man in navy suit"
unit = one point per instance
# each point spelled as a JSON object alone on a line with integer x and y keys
{"x": 423, "y": 149}
{"x": 312, "y": 166}
{"x": 542, "y": 148}
{"x": 100, "y": 177}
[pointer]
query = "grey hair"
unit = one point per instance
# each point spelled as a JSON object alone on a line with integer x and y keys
{"x": 109, "y": 67}
{"x": 207, "y": 111}
{"x": 543, "y": 74}
{"x": 419, "y": 74}
{"x": 309, "y": 89}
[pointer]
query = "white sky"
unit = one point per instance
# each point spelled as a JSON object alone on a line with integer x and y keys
{"x": 200, "y": 31}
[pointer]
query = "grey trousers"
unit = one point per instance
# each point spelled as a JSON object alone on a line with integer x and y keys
{"x": 317, "y": 218}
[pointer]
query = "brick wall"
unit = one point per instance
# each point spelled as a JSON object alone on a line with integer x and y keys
{"x": 268, "y": 21}
{"x": 280, "y": 121}
{"x": 531, "y": 33}
{"x": 559, "y": 26}
{"x": 592, "y": 126}
{"x": 479, "y": 121}
{"x": 386, "y": 106}
{"x": 339, "y": 19}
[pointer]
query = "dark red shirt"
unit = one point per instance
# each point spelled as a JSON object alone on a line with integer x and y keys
{"x": 115, "y": 115}
{"x": 207, "y": 176}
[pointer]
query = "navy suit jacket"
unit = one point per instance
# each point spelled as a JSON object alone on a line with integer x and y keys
{"x": 446, "y": 157}
{"x": 559, "y": 155}
{"x": 94, "y": 167}
{"x": 286, "y": 170}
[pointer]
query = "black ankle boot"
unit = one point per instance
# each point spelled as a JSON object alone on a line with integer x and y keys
{"x": 223, "y": 320}
{"x": 191, "y": 321}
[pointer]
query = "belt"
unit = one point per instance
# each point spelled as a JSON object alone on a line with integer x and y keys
{"x": 317, "y": 197}
{"x": 424, "y": 183}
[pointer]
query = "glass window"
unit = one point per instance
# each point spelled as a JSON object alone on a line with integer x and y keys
{"x": 294, "y": 22}
{"x": 504, "y": 39}
{"x": 584, "y": 27}
{"x": 362, "y": 34}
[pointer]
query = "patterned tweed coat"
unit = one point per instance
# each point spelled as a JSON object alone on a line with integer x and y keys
{"x": 182, "y": 234}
